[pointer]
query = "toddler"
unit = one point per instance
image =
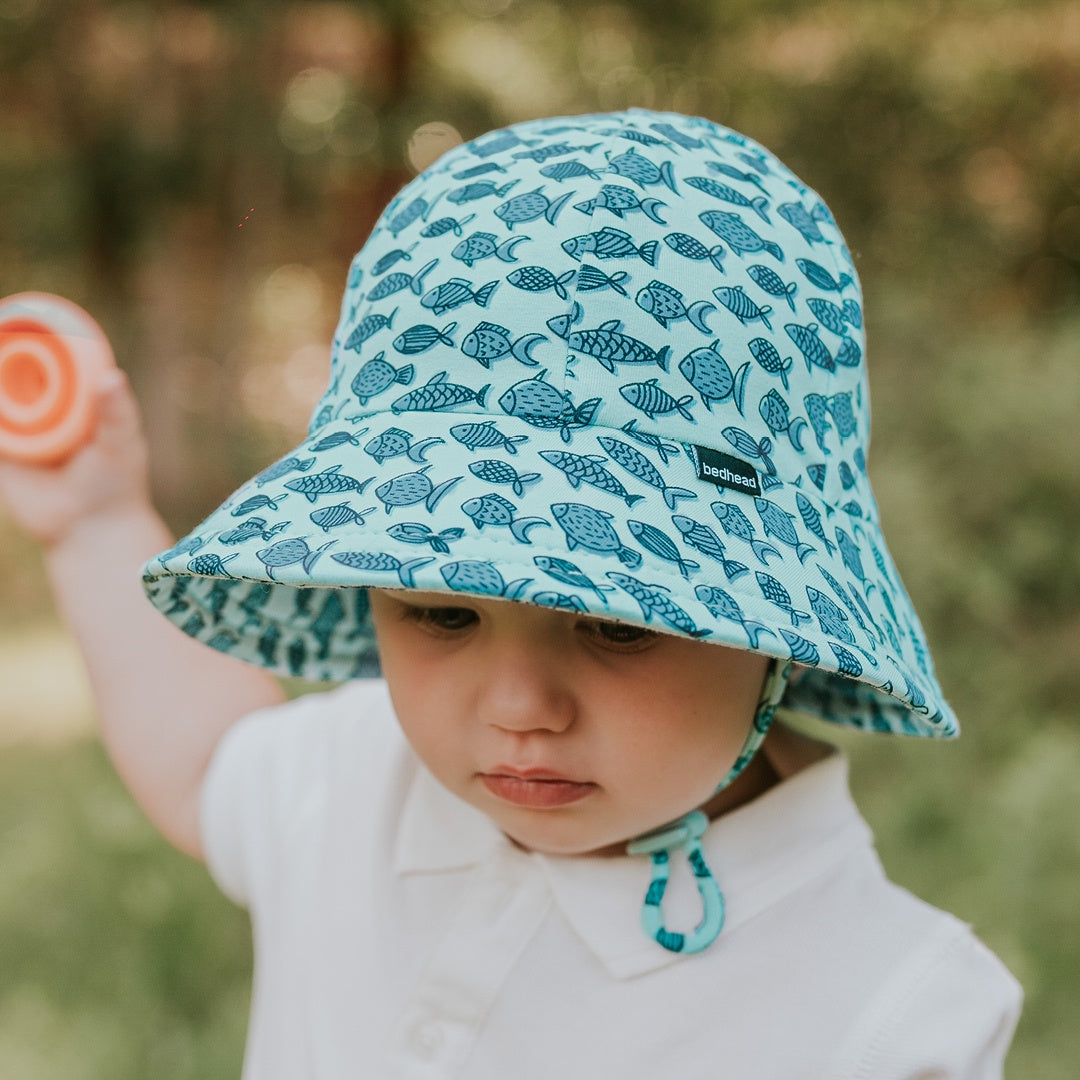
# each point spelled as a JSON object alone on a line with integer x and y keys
{"x": 588, "y": 485}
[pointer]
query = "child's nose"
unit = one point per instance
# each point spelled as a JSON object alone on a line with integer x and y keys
{"x": 525, "y": 689}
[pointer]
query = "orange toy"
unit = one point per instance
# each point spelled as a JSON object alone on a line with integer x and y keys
{"x": 51, "y": 356}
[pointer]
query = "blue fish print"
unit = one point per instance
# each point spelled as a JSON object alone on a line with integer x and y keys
{"x": 414, "y": 532}
{"x": 486, "y": 434}
{"x": 479, "y": 170}
{"x": 479, "y": 189}
{"x": 568, "y": 170}
{"x": 591, "y": 529}
{"x": 530, "y": 206}
{"x": 839, "y": 406}
{"x": 777, "y": 416}
{"x": 709, "y": 374}
{"x": 408, "y": 489}
{"x": 289, "y": 553}
{"x": 817, "y": 275}
{"x": 853, "y": 313}
{"x": 745, "y": 444}
{"x": 210, "y": 565}
{"x": 540, "y": 279}
{"x": 653, "y": 600}
{"x": 638, "y": 169}
{"x": 661, "y": 545}
{"x": 796, "y": 215}
{"x": 420, "y": 338}
{"x": 689, "y": 248}
{"x": 849, "y": 354}
{"x": 812, "y": 520}
{"x": 393, "y": 283}
{"x": 741, "y": 306}
{"x": 817, "y": 473}
{"x": 455, "y": 292}
{"x": 248, "y": 530}
{"x": 776, "y": 594}
{"x": 588, "y": 469}
{"x": 560, "y": 601}
{"x": 543, "y": 153}
{"x": 705, "y": 540}
{"x": 381, "y": 561}
{"x": 494, "y": 471}
{"x": 666, "y": 304}
{"x": 735, "y": 174}
{"x": 592, "y": 278}
{"x": 256, "y": 502}
{"x": 765, "y": 353}
{"x": 830, "y": 618}
{"x": 493, "y": 509}
{"x": 328, "y": 482}
{"x": 609, "y": 243}
{"x": 482, "y": 578}
{"x": 759, "y": 204}
{"x": 802, "y": 651}
{"x": 811, "y": 346}
{"x": 638, "y": 465}
{"x": 368, "y": 326}
{"x": 418, "y": 208}
{"x": 722, "y": 605}
{"x": 737, "y": 234}
{"x": 338, "y": 438}
{"x": 633, "y": 135}
{"x": 377, "y": 376}
{"x": 497, "y": 143}
{"x": 606, "y": 344}
{"x": 393, "y": 442}
{"x": 847, "y": 477}
{"x": 445, "y": 225}
{"x": 680, "y": 138}
{"x": 849, "y": 552}
{"x": 735, "y": 523}
{"x": 539, "y": 404}
{"x": 331, "y": 517}
{"x": 482, "y": 245}
{"x": 780, "y": 524}
{"x": 565, "y": 572}
{"x": 769, "y": 280}
{"x": 829, "y": 315}
{"x": 283, "y": 468}
{"x": 847, "y": 663}
{"x": 390, "y": 259}
{"x": 436, "y": 394}
{"x": 654, "y": 401}
{"x": 330, "y": 616}
{"x": 817, "y": 409}
{"x": 489, "y": 341}
{"x": 654, "y": 442}
{"x": 620, "y": 201}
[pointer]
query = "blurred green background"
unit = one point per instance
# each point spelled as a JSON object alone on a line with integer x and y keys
{"x": 199, "y": 174}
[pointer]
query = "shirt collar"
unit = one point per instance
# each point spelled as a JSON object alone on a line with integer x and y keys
{"x": 759, "y": 853}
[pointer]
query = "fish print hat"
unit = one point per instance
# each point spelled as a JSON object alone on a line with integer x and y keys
{"x": 609, "y": 364}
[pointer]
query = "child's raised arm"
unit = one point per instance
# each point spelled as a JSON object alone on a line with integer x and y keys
{"x": 163, "y": 700}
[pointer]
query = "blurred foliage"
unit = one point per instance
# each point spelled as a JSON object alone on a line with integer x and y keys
{"x": 198, "y": 175}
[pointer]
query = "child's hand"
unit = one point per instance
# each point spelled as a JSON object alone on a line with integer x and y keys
{"x": 107, "y": 476}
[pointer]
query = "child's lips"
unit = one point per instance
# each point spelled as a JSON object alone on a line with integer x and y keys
{"x": 535, "y": 788}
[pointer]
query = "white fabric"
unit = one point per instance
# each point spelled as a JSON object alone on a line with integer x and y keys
{"x": 399, "y": 934}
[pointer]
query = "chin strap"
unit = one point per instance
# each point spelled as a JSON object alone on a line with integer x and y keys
{"x": 686, "y": 833}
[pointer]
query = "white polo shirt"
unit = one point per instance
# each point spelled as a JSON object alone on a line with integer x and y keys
{"x": 399, "y": 934}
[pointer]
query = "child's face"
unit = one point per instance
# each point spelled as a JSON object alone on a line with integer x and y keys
{"x": 571, "y": 733}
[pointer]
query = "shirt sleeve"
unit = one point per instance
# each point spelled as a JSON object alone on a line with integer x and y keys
{"x": 948, "y": 1013}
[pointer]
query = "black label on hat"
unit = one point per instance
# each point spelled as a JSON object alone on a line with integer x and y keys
{"x": 723, "y": 470}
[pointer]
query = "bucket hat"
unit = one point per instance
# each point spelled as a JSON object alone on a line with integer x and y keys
{"x": 611, "y": 364}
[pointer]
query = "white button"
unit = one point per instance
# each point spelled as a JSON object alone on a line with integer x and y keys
{"x": 428, "y": 1039}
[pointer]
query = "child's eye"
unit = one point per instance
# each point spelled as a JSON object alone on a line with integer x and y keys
{"x": 443, "y": 620}
{"x": 623, "y": 636}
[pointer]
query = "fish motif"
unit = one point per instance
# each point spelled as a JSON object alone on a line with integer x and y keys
{"x": 493, "y": 471}
{"x": 592, "y": 278}
{"x": 568, "y": 170}
{"x": 654, "y": 401}
{"x": 328, "y": 482}
{"x": 658, "y": 543}
{"x": 852, "y": 313}
{"x": 830, "y": 315}
{"x": 802, "y": 651}
{"x": 638, "y": 169}
{"x": 839, "y": 406}
{"x": 849, "y": 552}
{"x": 389, "y": 260}
{"x": 393, "y": 283}
{"x": 832, "y": 620}
{"x": 652, "y": 600}
{"x": 722, "y": 605}
{"x": 377, "y": 375}
{"x": 777, "y": 416}
{"x": 776, "y": 594}
{"x": 812, "y": 520}
{"x": 744, "y": 443}
{"x": 587, "y": 468}
{"x": 633, "y": 135}
{"x": 288, "y": 553}
{"x": 542, "y": 406}
{"x": 735, "y": 174}
{"x": 847, "y": 663}
{"x": 479, "y": 189}
{"x": 408, "y": 489}
{"x": 479, "y": 170}
{"x": 455, "y": 292}
{"x": 709, "y": 374}
{"x": 210, "y": 565}
{"x": 689, "y": 248}
{"x": 741, "y": 306}
{"x": 565, "y": 572}
{"x": 560, "y": 601}
{"x": 541, "y": 154}
{"x": 680, "y": 138}
{"x": 755, "y": 161}
{"x": 666, "y": 305}
{"x": 331, "y": 517}
{"x": 254, "y": 601}
{"x": 482, "y": 578}
{"x": 338, "y": 438}
{"x": 817, "y": 409}
{"x": 849, "y": 354}
{"x": 811, "y": 346}
{"x": 420, "y": 338}
{"x": 765, "y": 353}
{"x": 437, "y": 394}
{"x": 780, "y": 524}
{"x": 248, "y": 530}
{"x": 847, "y": 477}
{"x": 540, "y": 279}
{"x": 485, "y": 434}
{"x": 591, "y": 529}
{"x": 769, "y": 280}
{"x": 620, "y": 201}
{"x": 717, "y": 190}
{"x": 609, "y": 243}
{"x": 445, "y": 225}
{"x": 663, "y": 449}
{"x": 530, "y": 206}
{"x": 737, "y": 234}
{"x": 606, "y": 344}
{"x": 493, "y": 509}
{"x": 248, "y": 506}
{"x": 496, "y": 143}
{"x": 381, "y": 562}
{"x": 818, "y": 276}
{"x": 639, "y": 466}
{"x": 703, "y": 539}
{"x": 414, "y": 532}
{"x": 796, "y": 215}
{"x": 418, "y": 208}
{"x": 817, "y": 472}
{"x": 282, "y": 468}
{"x": 394, "y": 442}
{"x": 330, "y": 616}
{"x": 487, "y": 342}
{"x": 367, "y": 327}
{"x": 735, "y": 523}
{"x": 268, "y": 645}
